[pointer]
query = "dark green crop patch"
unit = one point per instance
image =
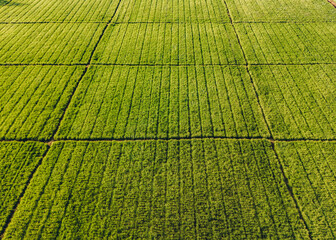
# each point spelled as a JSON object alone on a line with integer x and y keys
{"x": 310, "y": 169}
{"x": 206, "y": 189}
{"x": 17, "y": 164}
{"x": 167, "y": 43}
{"x": 299, "y": 101}
{"x": 33, "y": 99}
{"x": 57, "y": 11}
{"x": 124, "y": 102}
{"x": 51, "y": 43}
{"x": 288, "y": 43}
{"x": 177, "y": 11}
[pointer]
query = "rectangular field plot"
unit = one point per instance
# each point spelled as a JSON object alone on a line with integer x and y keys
{"x": 310, "y": 169}
{"x": 57, "y": 11}
{"x": 17, "y": 164}
{"x": 282, "y": 10}
{"x": 123, "y": 102}
{"x": 299, "y": 101}
{"x": 158, "y": 190}
{"x": 166, "y": 43}
{"x": 283, "y": 43}
{"x": 183, "y": 11}
{"x": 48, "y": 43}
{"x": 33, "y": 99}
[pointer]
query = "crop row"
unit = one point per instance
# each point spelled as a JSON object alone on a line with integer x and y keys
{"x": 17, "y": 163}
{"x": 52, "y": 43}
{"x": 283, "y": 43}
{"x": 166, "y": 43}
{"x": 166, "y": 11}
{"x": 57, "y": 11}
{"x": 33, "y": 99}
{"x": 299, "y": 101}
{"x": 281, "y": 11}
{"x": 163, "y": 102}
{"x": 310, "y": 168}
{"x": 202, "y": 189}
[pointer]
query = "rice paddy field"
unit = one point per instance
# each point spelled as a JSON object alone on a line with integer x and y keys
{"x": 167, "y": 119}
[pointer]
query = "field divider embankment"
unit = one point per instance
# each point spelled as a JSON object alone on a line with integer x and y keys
{"x": 60, "y": 22}
{"x": 332, "y": 3}
{"x": 170, "y": 139}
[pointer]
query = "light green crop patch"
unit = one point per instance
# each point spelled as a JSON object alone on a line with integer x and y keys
{"x": 211, "y": 189}
{"x": 51, "y": 43}
{"x": 17, "y": 164}
{"x": 310, "y": 169}
{"x": 299, "y": 101}
{"x": 33, "y": 99}
{"x": 284, "y": 43}
{"x": 57, "y": 11}
{"x": 123, "y": 102}
{"x": 178, "y": 11}
{"x": 167, "y": 43}
{"x": 282, "y": 10}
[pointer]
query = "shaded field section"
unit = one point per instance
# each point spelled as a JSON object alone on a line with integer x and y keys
{"x": 288, "y": 43}
{"x": 33, "y": 99}
{"x": 18, "y": 161}
{"x": 167, "y": 43}
{"x": 299, "y": 101}
{"x": 310, "y": 168}
{"x": 206, "y": 189}
{"x": 185, "y": 11}
{"x": 282, "y": 10}
{"x": 123, "y": 102}
{"x": 52, "y": 43}
{"x": 57, "y": 11}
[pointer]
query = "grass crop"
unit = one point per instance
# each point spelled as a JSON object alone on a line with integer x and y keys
{"x": 33, "y": 99}
{"x": 57, "y": 11}
{"x": 207, "y": 189}
{"x": 282, "y": 11}
{"x": 17, "y": 163}
{"x": 51, "y": 43}
{"x": 310, "y": 168}
{"x": 177, "y": 11}
{"x": 167, "y": 43}
{"x": 299, "y": 101}
{"x": 284, "y": 43}
{"x": 163, "y": 102}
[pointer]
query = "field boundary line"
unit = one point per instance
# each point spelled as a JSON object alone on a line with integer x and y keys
{"x": 85, "y": 70}
{"x": 160, "y": 65}
{"x": 332, "y": 3}
{"x": 30, "y": 177}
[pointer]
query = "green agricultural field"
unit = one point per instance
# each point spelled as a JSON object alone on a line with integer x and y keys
{"x": 168, "y": 119}
{"x": 18, "y": 161}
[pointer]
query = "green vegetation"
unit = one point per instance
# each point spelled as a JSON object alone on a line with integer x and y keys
{"x": 310, "y": 168}
{"x": 17, "y": 164}
{"x": 206, "y": 189}
{"x": 51, "y": 43}
{"x": 33, "y": 99}
{"x": 167, "y": 43}
{"x": 178, "y": 11}
{"x": 167, "y": 119}
{"x": 299, "y": 101}
{"x": 57, "y": 11}
{"x": 284, "y": 43}
{"x": 163, "y": 102}
{"x": 281, "y": 11}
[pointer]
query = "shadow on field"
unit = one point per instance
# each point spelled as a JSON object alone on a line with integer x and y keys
{"x": 9, "y": 3}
